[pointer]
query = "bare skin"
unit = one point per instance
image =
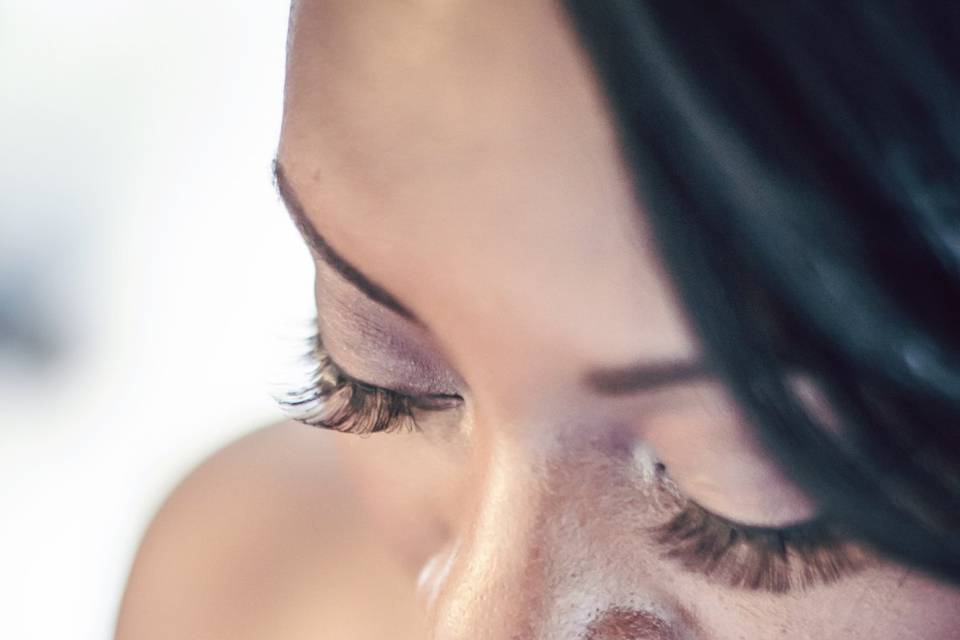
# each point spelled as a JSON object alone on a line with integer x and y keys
{"x": 461, "y": 157}
{"x": 269, "y": 538}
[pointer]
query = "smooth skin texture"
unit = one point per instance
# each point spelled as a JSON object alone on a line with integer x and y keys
{"x": 461, "y": 156}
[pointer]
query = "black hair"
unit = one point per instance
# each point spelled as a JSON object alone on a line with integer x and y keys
{"x": 799, "y": 166}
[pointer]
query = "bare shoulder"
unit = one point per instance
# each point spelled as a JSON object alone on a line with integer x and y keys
{"x": 265, "y": 539}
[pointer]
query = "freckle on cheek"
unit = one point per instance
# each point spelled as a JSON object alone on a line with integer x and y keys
{"x": 629, "y": 624}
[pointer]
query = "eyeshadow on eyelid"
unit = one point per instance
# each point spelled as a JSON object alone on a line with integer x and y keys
{"x": 390, "y": 367}
{"x": 373, "y": 345}
{"x": 369, "y": 349}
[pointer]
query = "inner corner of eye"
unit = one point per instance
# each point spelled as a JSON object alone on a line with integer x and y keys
{"x": 647, "y": 460}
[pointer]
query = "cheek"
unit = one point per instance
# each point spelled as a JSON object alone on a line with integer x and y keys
{"x": 883, "y": 603}
{"x": 407, "y": 492}
{"x": 915, "y": 606}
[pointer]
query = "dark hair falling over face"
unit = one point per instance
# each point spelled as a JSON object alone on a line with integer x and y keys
{"x": 799, "y": 164}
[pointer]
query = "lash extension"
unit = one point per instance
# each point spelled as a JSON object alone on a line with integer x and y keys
{"x": 333, "y": 400}
{"x": 777, "y": 560}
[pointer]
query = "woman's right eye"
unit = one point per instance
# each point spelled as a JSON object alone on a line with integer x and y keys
{"x": 334, "y": 400}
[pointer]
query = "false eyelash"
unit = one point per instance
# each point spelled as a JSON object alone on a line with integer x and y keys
{"x": 333, "y": 400}
{"x": 777, "y": 560}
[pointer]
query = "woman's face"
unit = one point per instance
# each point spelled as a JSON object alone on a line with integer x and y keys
{"x": 476, "y": 235}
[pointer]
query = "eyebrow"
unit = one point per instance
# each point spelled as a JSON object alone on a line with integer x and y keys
{"x": 618, "y": 381}
{"x": 609, "y": 381}
{"x": 327, "y": 253}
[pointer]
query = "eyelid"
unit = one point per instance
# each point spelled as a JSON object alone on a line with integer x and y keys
{"x": 799, "y": 528}
{"x": 381, "y": 351}
{"x": 412, "y": 395}
{"x": 773, "y": 559}
{"x": 337, "y": 401}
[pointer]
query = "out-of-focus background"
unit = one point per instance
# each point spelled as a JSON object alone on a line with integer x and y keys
{"x": 151, "y": 287}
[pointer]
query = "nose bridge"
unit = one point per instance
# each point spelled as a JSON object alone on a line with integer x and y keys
{"x": 537, "y": 559}
{"x": 492, "y": 588}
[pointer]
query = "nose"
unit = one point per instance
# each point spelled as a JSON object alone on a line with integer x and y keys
{"x": 550, "y": 552}
{"x": 630, "y": 624}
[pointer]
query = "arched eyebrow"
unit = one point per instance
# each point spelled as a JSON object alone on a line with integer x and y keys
{"x": 327, "y": 253}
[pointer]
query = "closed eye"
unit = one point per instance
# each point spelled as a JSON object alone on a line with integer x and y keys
{"x": 773, "y": 559}
{"x": 334, "y": 400}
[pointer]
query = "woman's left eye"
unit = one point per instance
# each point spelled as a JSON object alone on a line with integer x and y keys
{"x": 334, "y": 400}
{"x": 776, "y": 560}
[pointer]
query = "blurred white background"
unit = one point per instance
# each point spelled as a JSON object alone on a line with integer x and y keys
{"x": 151, "y": 285}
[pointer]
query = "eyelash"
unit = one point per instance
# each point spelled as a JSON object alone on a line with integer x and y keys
{"x": 334, "y": 400}
{"x": 775, "y": 560}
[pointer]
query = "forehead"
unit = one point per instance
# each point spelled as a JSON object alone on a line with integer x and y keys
{"x": 460, "y": 154}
